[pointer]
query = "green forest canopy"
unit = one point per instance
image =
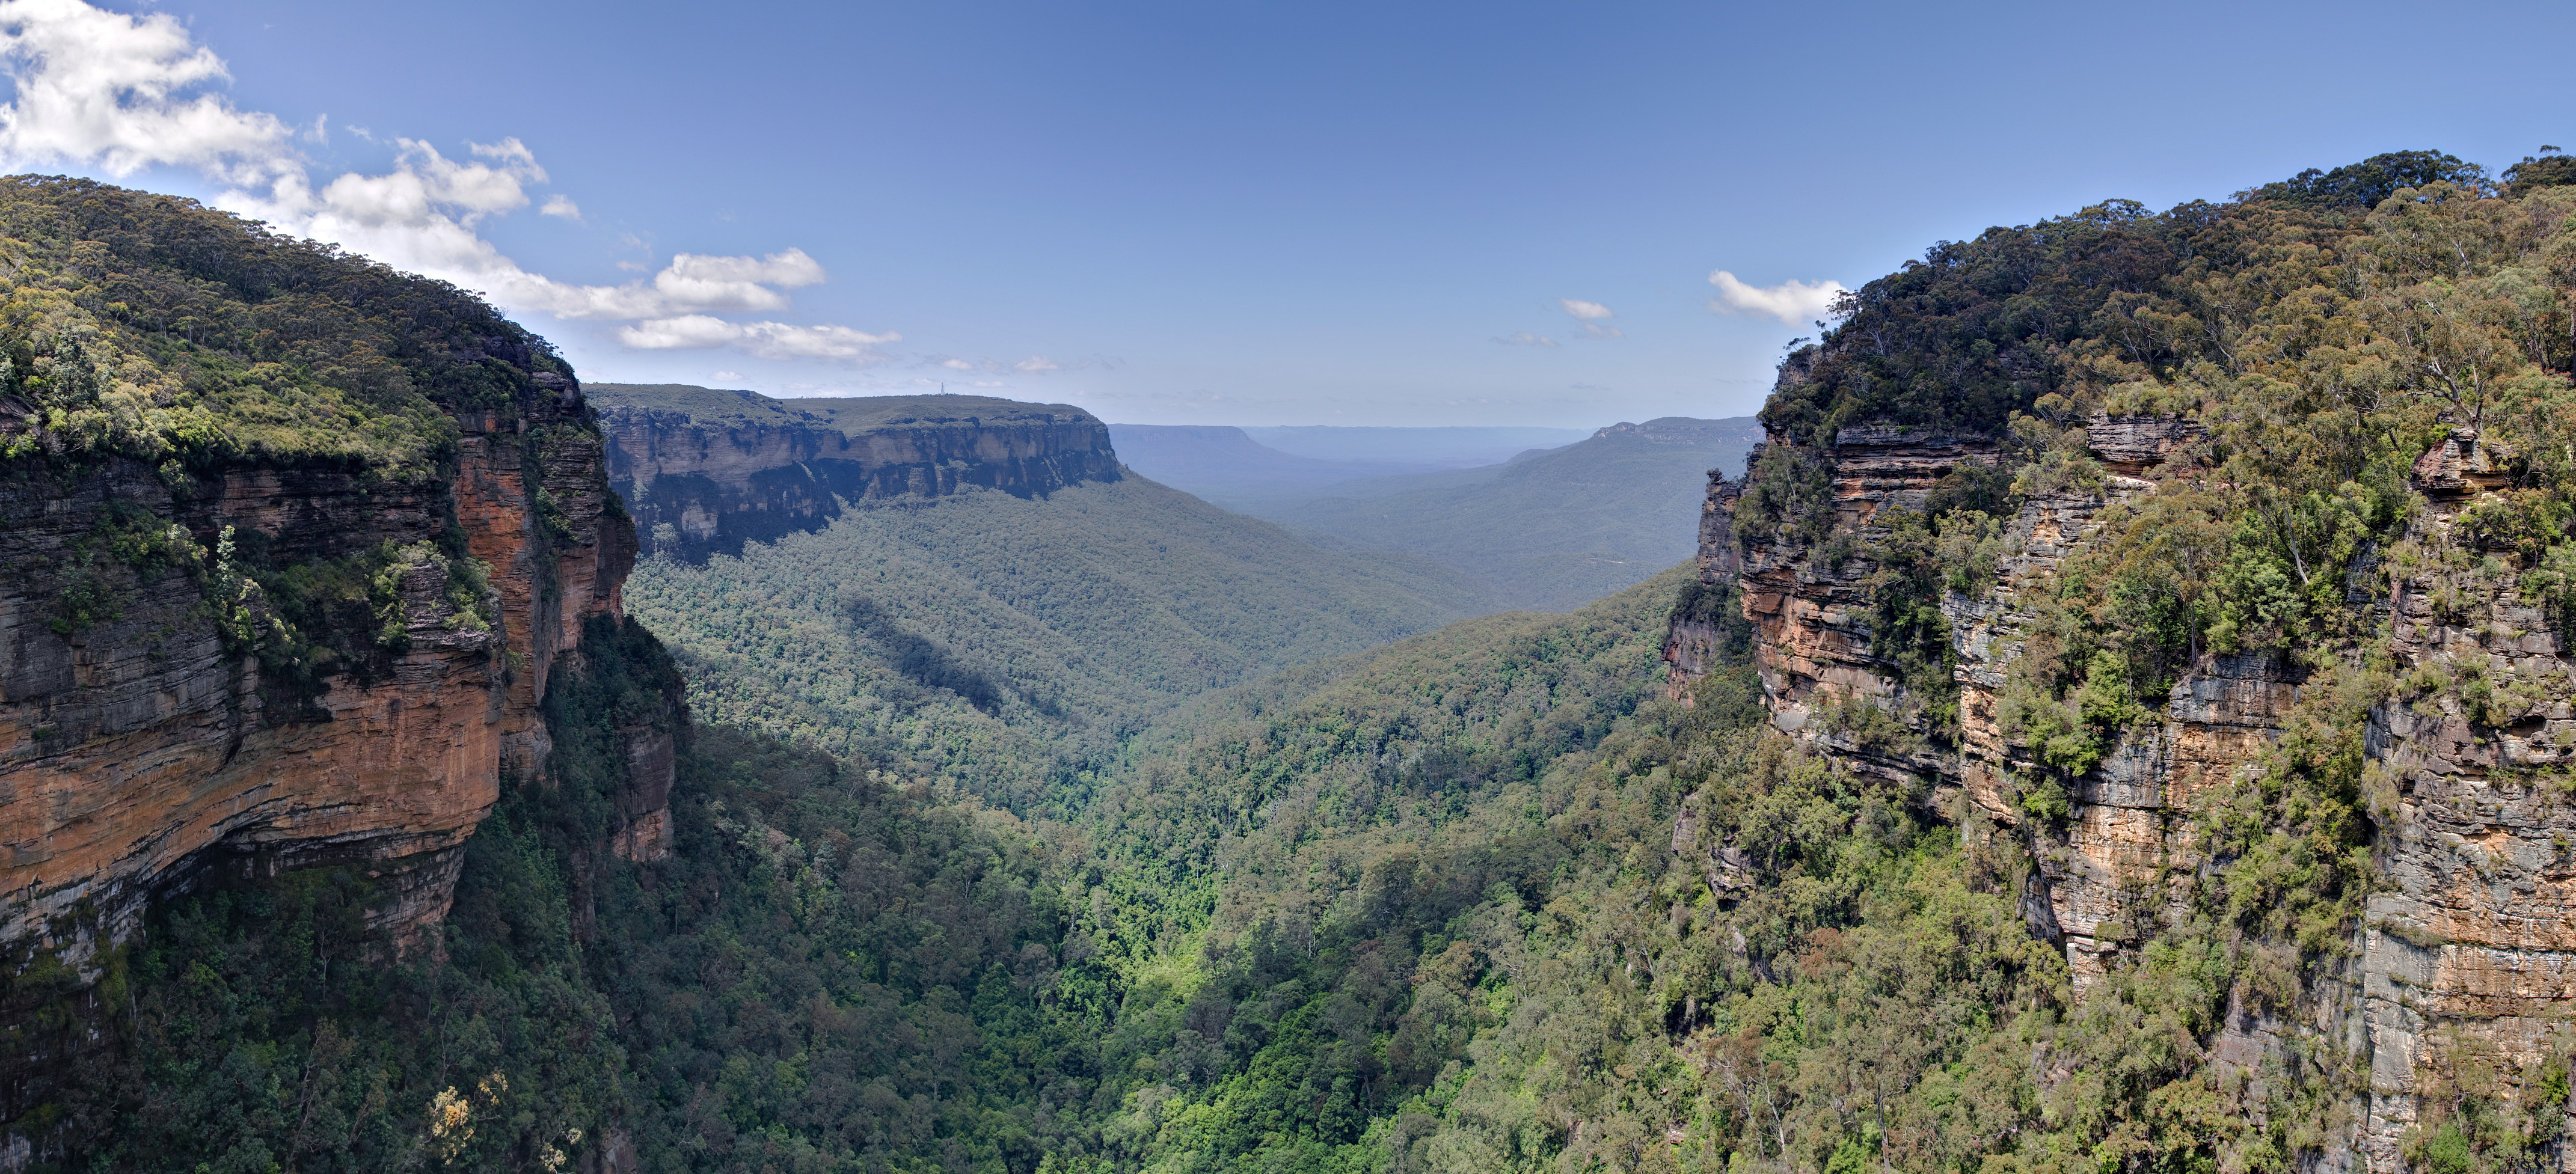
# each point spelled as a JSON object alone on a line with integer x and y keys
{"x": 1422, "y": 907}
{"x": 1011, "y": 644}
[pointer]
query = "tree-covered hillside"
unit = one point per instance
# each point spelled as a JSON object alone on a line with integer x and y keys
{"x": 1273, "y": 944}
{"x": 1551, "y": 531}
{"x": 1011, "y": 643}
{"x": 151, "y": 327}
{"x": 975, "y": 872}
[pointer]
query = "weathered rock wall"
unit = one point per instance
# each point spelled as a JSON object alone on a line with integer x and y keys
{"x": 146, "y": 750}
{"x": 2468, "y": 959}
{"x": 704, "y": 487}
{"x": 1691, "y": 646}
{"x": 2466, "y": 963}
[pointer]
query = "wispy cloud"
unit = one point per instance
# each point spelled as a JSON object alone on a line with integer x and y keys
{"x": 1796, "y": 303}
{"x": 119, "y": 93}
{"x": 1594, "y": 316}
{"x": 1525, "y": 338}
{"x": 1036, "y": 365}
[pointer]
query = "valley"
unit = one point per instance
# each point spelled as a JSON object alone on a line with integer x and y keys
{"x": 1548, "y": 529}
{"x": 2119, "y": 718}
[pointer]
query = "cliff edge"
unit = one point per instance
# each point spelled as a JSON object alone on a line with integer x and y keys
{"x": 705, "y": 470}
{"x": 293, "y": 547}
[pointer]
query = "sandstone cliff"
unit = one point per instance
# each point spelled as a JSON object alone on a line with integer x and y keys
{"x": 705, "y": 471}
{"x": 146, "y": 748}
{"x": 2465, "y": 961}
{"x": 293, "y": 547}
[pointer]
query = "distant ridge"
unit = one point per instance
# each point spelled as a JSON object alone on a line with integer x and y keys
{"x": 1449, "y": 447}
{"x": 1223, "y": 464}
{"x": 848, "y": 414}
{"x": 704, "y": 470}
{"x": 1550, "y": 530}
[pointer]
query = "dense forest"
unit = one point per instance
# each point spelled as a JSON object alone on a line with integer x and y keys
{"x": 1012, "y": 643}
{"x": 1485, "y": 898}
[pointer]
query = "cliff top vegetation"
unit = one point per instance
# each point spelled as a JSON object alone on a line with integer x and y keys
{"x": 153, "y": 327}
{"x": 2309, "y": 281}
{"x": 851, "y": 416}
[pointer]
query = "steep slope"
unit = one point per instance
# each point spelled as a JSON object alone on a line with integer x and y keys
{"x": 341, "y": 797}
{"x": 2243, "y": 613}
{"x": 1000, "y": 616}
{"x": 1550, "y": 531}
{"x": 296, "y": 547}
{"x": 1008, "y": 642}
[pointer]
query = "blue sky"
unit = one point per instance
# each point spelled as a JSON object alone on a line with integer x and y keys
{"x": 1250, "y": 213}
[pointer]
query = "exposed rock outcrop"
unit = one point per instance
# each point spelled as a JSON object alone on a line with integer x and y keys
{"x": 1690, "y": 647}
{"x": 2468, "y": 959}
{"x": 148, "y": 750}
{"x": 705, "y": 471}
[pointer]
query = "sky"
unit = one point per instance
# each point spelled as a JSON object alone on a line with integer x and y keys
{"x": 1230, "y": 212}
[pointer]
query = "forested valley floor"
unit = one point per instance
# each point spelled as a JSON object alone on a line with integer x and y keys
{"x": 1415, "y": 909}
{"x": 1486, "y": 898}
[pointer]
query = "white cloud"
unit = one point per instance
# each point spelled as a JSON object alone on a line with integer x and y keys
{"x": 98, "y": 89}
{"x": 764, "y": 340}
{"x": 1593, "y": 315}
{"x": 687, "y": 332}
{"x": 778, "y": 340}
{"x": 422, "y": 216}
{"x": 1036, "y": 365}
{"x": 957, "y": 364}
{"x": 1525, "y": 338}
{"x": 727, "y": 376}
{"x": 1796, "y": 303}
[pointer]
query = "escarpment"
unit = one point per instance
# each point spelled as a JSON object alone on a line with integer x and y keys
{"x": 2213, "y": 571}
{"x": 705, "y": 471}
{"x": 2463, "y": 960}
{"x": 286, "y": 594}
{"x": 151, "y": 739}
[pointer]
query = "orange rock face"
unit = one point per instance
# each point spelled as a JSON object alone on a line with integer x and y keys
{"x": 140, "y": 752}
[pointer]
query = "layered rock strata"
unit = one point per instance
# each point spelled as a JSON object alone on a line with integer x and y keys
{"x": 2465, "y": 970}
{"x": 704, "y": 472}
{"x": 2468, "y": 955}
{"x": 146, "y": 750}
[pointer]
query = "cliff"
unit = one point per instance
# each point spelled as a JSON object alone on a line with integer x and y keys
{"x": 288, "y": 593}
{"x": 2212, "y": 572}
{"x": 704, "y": 471}
{"x": 2461, "y": 958}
